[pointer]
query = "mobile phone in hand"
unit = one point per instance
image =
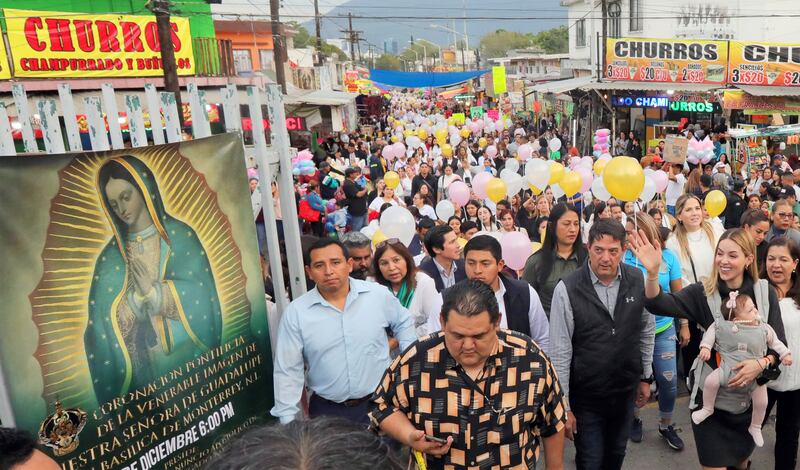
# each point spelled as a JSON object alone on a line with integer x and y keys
{"x": 438, "y": 440}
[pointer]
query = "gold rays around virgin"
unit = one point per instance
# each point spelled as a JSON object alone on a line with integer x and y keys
{"x": 78, "y": 231}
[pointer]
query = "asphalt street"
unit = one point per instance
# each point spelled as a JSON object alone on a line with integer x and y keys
{"x": 653, "y": 453}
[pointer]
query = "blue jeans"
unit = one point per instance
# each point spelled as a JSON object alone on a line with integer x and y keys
{"x": 665, "y": 368}
{"x": 357, "y": 222}
{"x": 671, "y": 210}
{"x": 603, "y": 430}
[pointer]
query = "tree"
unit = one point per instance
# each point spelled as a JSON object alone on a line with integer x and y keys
{"x": 553, "y": 41}
{"x": 388, "y": 62}
{"x": 498, "y": 43}
{"x": 303, "y": 38}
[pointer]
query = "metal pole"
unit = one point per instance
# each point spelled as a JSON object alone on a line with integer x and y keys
{"x": 278, "y": 44}
{"x": 291, "y": 226}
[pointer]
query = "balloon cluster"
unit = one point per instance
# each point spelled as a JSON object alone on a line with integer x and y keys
{"x": 602, "y": 142}
{"x": 395, "y": 150}
{"x": 700, "y": 151}
{"x": 303, "y": 163}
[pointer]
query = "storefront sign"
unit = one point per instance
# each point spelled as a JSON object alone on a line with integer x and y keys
{"x": 640, "y": 101}
{"x": 695, "y": 107}
{"x": 736, "y": 99}
{"x": 51, "y": 44}
{"x": 666, "y": 60}
{"x": 756, "y": 63}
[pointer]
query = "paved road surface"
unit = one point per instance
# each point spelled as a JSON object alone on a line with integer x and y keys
{"x": 654, "y": 454}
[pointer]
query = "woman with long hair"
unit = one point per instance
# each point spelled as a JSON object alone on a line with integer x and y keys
{"x": 665, "y": 365}
{"x": 423, "y": 205}
{"x": 448, "y": 176}
{"x": 693, "y": 182}
{"x": 507, "y": 222}
{"x": 394, "y": 268}
{"x": 486, "y": 221}
{"x": 386, "y": 196}
{"x": 562, "y": 253}
{"x": 470, "y": 211}
{"x": 722, "y": 440}
{"x": 783, "y": 256}
{"x": 693, "y": 240}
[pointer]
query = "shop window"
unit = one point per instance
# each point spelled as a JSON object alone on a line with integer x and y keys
{"x": 636, "y": 20}
{"x": 242, "y": 60}
{"x": 614, "y": 19}
{"x": 580, "y": 33}
{"x": 266, "y": 59}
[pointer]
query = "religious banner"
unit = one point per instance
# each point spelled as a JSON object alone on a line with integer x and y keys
{"x": 134, "y": 328}
{"x": 666, "y": 60}
{"x": 765, "y": 64}
{"x": 47, "y": 44}
{"x": 476, "y": 112}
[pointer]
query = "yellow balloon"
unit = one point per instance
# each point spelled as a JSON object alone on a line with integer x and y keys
{"x": 395, "y": 138}
{"x": 441, "y": 134}
{"x": 422, "y": 133}
{"x": 571, "y": 183}
{"x": 716, "y": 202}
{"x": 392, "y": 179}
{"x": 378, "y": 237}
{"x": 451, "y": 120}
{"x": 464, "y": 132}
{"x": 556, "y": 172}
{"x": 461, "y": 243}
{"x": 624, "y": 178}
{"x": 536, "y": 191}
{"x": 482, "y": 142}
{"x": 599, "y": 166}
{"x": 408, "y": 132}
{"x": 496, "y": 189}
{"x": 447, "y": 150}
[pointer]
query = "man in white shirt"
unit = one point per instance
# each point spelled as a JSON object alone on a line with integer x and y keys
{"x": 520, "y": 307}
{"x": 675, "y": 187}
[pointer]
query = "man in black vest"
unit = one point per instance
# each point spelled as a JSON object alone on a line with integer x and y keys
{"x": 445, "y": 266}
{"x": 602, "y": 348}
{"x": 520, "y": 307}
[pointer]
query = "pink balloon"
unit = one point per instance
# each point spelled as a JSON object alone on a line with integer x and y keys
{"x": 304, "y": 155}
{"x": 491, "y": 151}
{"x": 252, "y": 173}
{"x": 479, "y": 183}
{"x": 399, "y": 149}
{"x": 692, "y": 159}
{"x": 458, "y": 192}
{"x": 525, "y": 151}
{"x": 516, "y": 249}
{"x": 586, "y": 177}
{"x": 597, "y": 147}
{"x": 587, "y": 161}
{"x": 601, "y": 140}
{"x": 574, "y": 161}
{"x": 480, "y": 123}
{"x": 388, "y": 152}
{"x": 660, "y": 178}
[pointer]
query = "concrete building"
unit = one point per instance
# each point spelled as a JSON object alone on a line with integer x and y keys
{"x": 531, "y": 65}
{"x": 691, "y": 19}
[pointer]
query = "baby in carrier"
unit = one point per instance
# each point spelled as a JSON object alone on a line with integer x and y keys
{"x": 744, "y": 337}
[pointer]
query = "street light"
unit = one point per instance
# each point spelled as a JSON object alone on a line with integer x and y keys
{"x": 417, "y": 55}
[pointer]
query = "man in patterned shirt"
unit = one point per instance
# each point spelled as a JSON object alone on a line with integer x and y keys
{"x": 490, "y": 393}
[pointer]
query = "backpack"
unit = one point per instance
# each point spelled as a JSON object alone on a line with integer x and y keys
{"x": 307, "y": 213}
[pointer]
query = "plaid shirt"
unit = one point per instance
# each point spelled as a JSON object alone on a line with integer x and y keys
{"x": 495, "y": 422}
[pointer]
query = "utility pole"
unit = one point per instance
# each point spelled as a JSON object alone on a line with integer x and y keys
{"x": 319, "y": 33}
{"x": 353, "y": 37}
{"x": 278, "y": 44}
{"x": 478, "y": 63}
{"x": 160, "y": 9}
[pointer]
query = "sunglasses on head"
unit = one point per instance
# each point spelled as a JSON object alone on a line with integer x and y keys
{"x": 388, "y": 241}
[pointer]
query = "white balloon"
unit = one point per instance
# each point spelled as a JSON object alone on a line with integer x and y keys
{"x": 455, "y": 139}
{"x": 445, "y": 210}
{"x": 554, "y": 144}
{"x": 649, "y": 190}
{"x": 397, "y": 222}
{"x": 512, "y": 164}
{"x": 536, "y": 146}
{"x": 537, "y": 172}
{"x": 599, "y": 190}
{"x": 557, "y": 191}
{"x": 514, "y": 184}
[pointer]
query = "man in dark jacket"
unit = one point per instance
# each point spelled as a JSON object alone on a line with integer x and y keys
{"x": 425, "y": 177}
{"x": 445, "y": 266}
{"x": 602, "y": 348}
{"x": 377, "y": 165}
{"x": 355, "y": 191}
{"x": 736, "y": 205}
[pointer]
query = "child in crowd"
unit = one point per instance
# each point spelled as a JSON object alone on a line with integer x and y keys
{"x": 339, "y": 217}
{"x": 744, "y": 337}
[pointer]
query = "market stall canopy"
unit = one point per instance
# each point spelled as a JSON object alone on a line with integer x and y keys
{"x": 770, "y": 90}
{"x": 791, "y": 129}
{"x": 561, "y": 86}
{"x": 648, "y": 86}
{"x": 422, "y": 79}
{"x": 320, "y": 97}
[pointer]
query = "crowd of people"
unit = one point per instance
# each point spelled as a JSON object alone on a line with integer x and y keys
{"x": 449, "y": 347}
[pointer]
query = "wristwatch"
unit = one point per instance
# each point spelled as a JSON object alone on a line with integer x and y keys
{"x": 648, "y": 380}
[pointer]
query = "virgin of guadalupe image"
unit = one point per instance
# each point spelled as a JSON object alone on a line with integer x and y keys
{"x": 153, "y": 302}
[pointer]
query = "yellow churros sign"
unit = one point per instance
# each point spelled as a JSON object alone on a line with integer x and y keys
{"x": 768, "y": 64}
